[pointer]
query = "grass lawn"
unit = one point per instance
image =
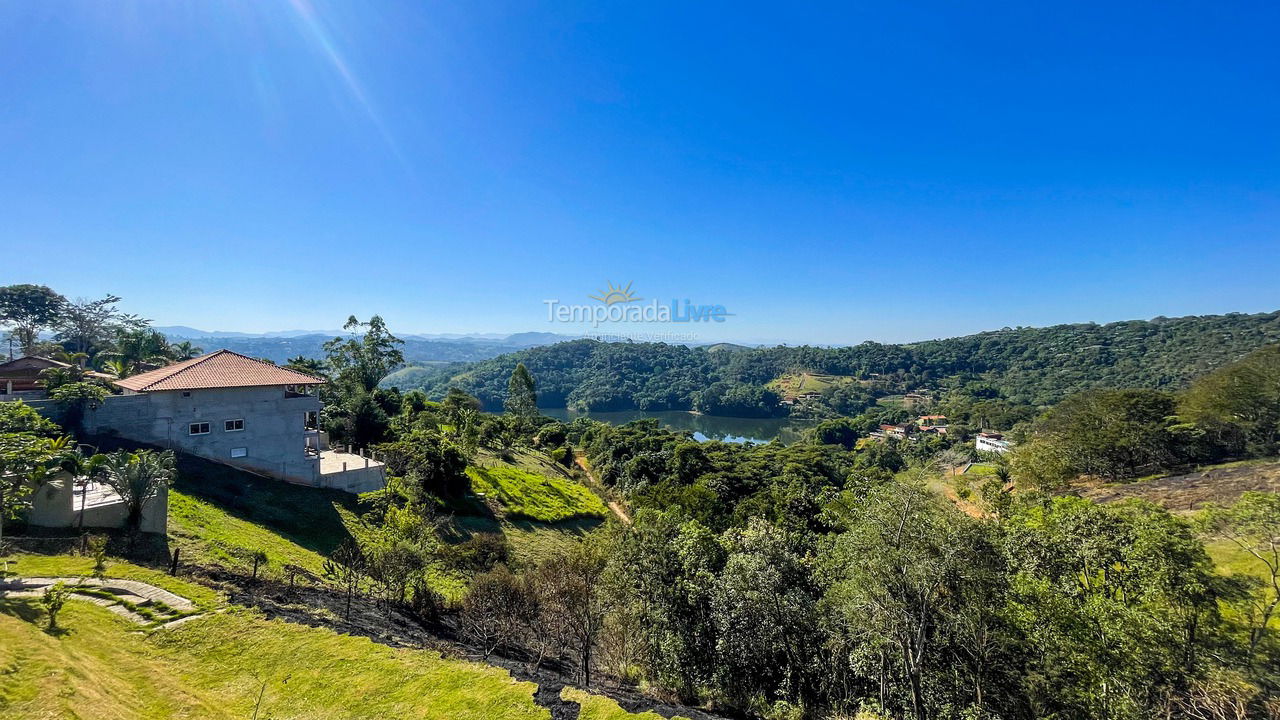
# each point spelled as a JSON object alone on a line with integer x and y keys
{"x": 207, "y": 533}
{"x": 313, "y": 518}
{"x": 536, "y": 496}
{"x": 99, "y": 666}
{"x": 980, "y": 469}
{"x": 598, "y": 707}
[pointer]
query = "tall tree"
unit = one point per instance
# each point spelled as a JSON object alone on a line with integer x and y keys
{"x": 367, "y": 355}
{"x": 522, "y": 398}
{"x": 136, "y": 350}
{"x": 29, "y": 309}
{"x": 89, "y": 325}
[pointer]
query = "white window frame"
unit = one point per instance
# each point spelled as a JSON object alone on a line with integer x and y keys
{"x": 192, "y": 431}
{"x": 225, "y": 423}
{"x": 239, "y": 452}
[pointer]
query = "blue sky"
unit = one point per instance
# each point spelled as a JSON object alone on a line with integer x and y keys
{"x": 828, "y": 172}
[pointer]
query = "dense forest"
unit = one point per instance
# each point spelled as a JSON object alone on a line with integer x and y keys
{"x": 1032, "y": 366}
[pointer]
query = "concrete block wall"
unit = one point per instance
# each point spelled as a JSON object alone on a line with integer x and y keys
{"x": 272, "y": 441}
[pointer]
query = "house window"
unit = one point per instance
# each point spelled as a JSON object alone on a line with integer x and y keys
{"x": 186, "y": 393}
{"x": 198, "y": 429}
{"x": 233, "y": 425}
{"x": 239, "y": 452}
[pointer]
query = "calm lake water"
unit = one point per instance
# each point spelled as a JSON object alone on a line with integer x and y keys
{"x": 703, "y": 427}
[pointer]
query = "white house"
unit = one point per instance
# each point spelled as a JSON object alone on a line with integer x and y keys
{"x": 992, "y": 442}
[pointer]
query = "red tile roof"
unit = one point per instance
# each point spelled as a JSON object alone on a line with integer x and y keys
{"x": 221, "y": 369}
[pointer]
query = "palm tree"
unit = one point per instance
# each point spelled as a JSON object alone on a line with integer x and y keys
{"x": 136, "y": 478}
{"x": 138, "y": 348}
{"x": 184, "y": 351}
{"x": 55, "y": 377}
{"x": 116, "y": 366}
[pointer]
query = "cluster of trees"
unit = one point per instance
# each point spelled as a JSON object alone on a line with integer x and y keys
{"x": 1027, "y": 367}
{"x": 878, "y": 595}
{"x": 1232, "y": 412}
{"x": 85, "y": 332}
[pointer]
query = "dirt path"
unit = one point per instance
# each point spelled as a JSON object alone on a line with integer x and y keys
{"x": 614, "y": 505}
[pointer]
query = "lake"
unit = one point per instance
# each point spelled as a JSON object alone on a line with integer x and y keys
{"x": 703, "y": 427}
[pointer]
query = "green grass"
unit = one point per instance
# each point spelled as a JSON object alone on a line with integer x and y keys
{"x": 99, "y": 666}
{"x": 207, "y": 533}
{"x": 316, "y": 519}
{"x": 536, "y": 496}
{"x": 980, "y": 469}
{"x": 806, "y": 382}
{"x": 598, "y": 707}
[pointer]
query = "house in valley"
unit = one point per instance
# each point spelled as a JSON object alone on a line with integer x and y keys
{"x": 239, "y": 411}
{"x": 932, "y": 423}
{"x": 992, "y": 442}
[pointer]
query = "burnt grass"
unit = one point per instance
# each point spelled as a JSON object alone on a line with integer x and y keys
{"x": 318, "y": 606}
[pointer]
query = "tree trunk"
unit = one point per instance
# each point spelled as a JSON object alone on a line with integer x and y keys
{"x": 913, "y": 674}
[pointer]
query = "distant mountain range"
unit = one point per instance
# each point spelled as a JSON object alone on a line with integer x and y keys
{"x": 524, "y": 339}
{"x": 423, "y": 349}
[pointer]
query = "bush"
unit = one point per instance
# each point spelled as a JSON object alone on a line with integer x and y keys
{"x": 479, "y": 553}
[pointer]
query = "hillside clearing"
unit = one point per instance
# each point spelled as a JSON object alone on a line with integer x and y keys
{"x": 535, "y": 496}
{"x": 1222, "y": 484}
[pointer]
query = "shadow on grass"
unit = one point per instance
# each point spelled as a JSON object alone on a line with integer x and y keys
{"x": 25, "y": 609}
{"x": 463, "y": 528}
{"x": 304, "y": 515}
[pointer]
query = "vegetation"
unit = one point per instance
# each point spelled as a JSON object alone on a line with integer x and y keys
{"x": 1026, "y": 366}
{"x": 1233, "y": 412}
{"x": 217, "y": 666}
{"x": 532, "y": 496}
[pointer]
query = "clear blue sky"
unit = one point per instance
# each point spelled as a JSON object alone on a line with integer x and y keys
{"x": 829, "y": 173}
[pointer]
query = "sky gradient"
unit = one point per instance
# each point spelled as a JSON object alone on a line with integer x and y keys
{"x": 829, "y": 173}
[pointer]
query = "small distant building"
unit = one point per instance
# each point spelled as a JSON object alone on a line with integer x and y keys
{"x": 895, "y": 431}
{"x": 20, "y": 378}
{"x": 239, "y": 411}
{"x": 992, "y": 442}
{"x": 912, "y": 401}
{"x": 932, "y": 423}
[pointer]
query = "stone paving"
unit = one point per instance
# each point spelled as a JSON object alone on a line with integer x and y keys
{"x": 133, "y": 592}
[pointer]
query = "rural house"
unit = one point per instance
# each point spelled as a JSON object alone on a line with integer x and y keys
{"x": 991, "y": 442}
{"x": 236, "y": 410}
{"x": 20, "y": 378}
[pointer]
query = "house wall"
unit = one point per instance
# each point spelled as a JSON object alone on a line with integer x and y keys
{"x": 357, "y": 479}
{"x": 53, "y": 505}
{"x": 274, "y": 436}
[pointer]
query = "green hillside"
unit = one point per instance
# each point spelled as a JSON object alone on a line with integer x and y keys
{"x": 1031, "y": 365}
{"x": 215, "y": 666}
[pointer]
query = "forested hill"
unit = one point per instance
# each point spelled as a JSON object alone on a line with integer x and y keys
{"x": 1026, "y": 365}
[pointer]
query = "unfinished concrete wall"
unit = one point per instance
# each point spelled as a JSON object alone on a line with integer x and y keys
{"x": 267, "y": 432}
{"x": 55, "y": 504}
